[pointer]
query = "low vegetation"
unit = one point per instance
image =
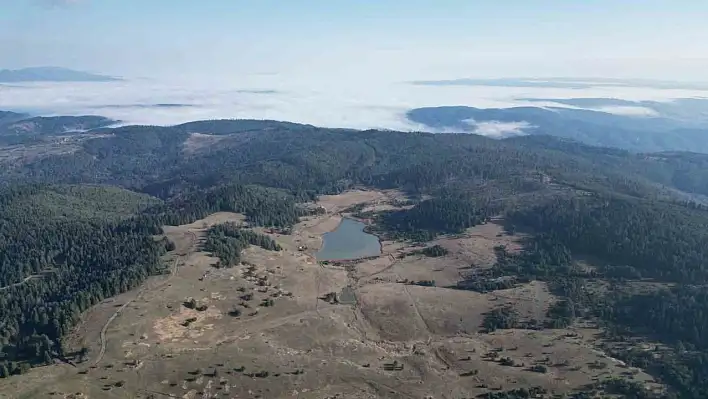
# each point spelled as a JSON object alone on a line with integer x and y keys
{"x": 434, "y": 251}
{"x": 504, "y": 317}
{"x": 521, "y": 393}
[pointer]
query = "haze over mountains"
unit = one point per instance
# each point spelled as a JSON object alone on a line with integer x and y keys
{"x": 565, "y": 83}
{"x": 51, "y": 74}
{"x": 660, "y": 131}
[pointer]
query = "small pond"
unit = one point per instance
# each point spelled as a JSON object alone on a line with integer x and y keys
{"x": 349, "y": 241}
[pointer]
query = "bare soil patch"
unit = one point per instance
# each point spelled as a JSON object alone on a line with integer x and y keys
{"x": 476, "y": 246}
{"x": 15, "y": 155}
{"x": 197, "y": 142}
{"x": 340, "y": 202}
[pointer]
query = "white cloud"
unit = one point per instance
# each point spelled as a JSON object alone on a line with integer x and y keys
{"x": 498, "y": 129}
{"x": 628, "y": 111}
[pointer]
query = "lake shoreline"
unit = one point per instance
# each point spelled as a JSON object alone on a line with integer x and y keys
{"x": 368, "y": 223}
{"x": 357, "y": 228}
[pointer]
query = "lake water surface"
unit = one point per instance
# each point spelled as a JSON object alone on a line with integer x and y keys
{"x": 349, "y": 241}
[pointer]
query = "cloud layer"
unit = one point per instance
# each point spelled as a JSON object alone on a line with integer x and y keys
{"x": 328, "y": 102}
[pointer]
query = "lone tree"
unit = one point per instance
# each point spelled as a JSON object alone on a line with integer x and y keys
{"x": 48, "y": 358}
{"x": 83, "y": 354}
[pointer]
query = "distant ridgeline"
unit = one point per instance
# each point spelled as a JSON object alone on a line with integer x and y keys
{"x": 18, "y": 128}
{"x": 50, "y": 74}
{"x": 658, "y": 126}
{"x": 77, "y": 226}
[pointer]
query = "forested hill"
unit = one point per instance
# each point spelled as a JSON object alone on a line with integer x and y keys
{"x": 164, "y": 161}
{"x": 79, "y": 215}
{"x": 23, "y": 129}
{"x": 62, "y": 250}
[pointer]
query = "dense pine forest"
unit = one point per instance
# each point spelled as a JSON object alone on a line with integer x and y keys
{"x": 80, "y": 226}
{"x": 56, "y": 264}
{"x": 429, "y": 218}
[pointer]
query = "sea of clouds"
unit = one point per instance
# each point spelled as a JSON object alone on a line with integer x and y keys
{"x": 339, "y": 102}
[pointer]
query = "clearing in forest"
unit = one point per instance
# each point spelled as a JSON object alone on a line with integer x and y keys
{"x": 281, "y": 324}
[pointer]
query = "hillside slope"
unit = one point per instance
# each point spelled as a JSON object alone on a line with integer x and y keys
{"x": 164, "y": 160}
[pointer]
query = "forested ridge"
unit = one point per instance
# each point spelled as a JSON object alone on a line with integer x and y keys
{"x": 22, "y": 129}
{"x": 160, "y": 161}
{"x": 657, "y": 240}
{"x": 68, "y": 223}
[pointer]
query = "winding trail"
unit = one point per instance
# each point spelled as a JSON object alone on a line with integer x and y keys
{"x": 326, "y": 216}
{"x": 416, "y": 310}
{"x": 173, "y": 272}
{"x": 102, "y": 337}
{"x": 26, "y": 279}
{"x": 317, "y": 288}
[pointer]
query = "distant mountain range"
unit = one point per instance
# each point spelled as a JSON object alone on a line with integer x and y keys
{"x": 50, "y": 74}
{"x": 16, "y": 128}
{"x": 7, "y": 117}
{"x": 565, "y": 83}
{"x": 677, "y": 126}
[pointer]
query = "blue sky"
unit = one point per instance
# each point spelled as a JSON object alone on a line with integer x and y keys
{"x": 413, "y": 38}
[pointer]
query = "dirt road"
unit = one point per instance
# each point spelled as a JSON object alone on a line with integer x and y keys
{"x": 173, "y": 272}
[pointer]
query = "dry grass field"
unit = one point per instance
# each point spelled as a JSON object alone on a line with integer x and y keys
{"x": 393, "y": 341}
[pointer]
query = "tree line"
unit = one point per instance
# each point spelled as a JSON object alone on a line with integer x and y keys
{"x": 228, "y": 240}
